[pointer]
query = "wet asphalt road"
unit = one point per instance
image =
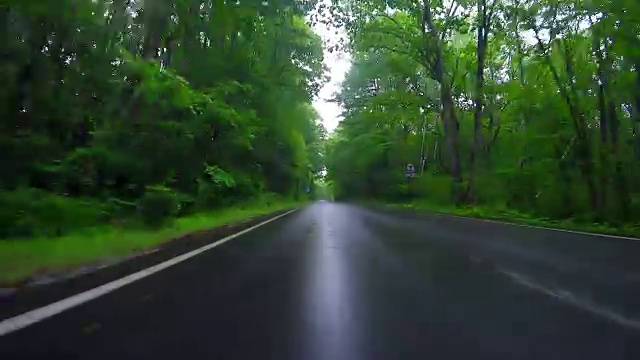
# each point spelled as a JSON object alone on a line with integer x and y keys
{"x": 336, "y": 281}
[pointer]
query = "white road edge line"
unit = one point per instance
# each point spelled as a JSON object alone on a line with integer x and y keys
{"x": 571, "y": 299}
{"x": 31, "y": 317}
{"x": 540, "y": 227}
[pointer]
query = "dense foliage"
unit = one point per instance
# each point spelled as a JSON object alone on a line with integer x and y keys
{"x": 117, "y": 107}
{"x": 529, "y": 105}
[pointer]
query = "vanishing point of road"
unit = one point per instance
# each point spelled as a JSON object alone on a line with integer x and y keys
{"x": 336, "y": 281}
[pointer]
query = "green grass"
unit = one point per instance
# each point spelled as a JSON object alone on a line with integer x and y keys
{"x": 22, "y": 258}
{"x": 517, "y": 217}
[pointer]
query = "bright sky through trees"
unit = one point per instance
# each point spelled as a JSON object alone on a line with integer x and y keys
{"x": 338, "y": 64}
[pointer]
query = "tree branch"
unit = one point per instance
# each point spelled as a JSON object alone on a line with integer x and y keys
{"x": 398, "y": 50}
{"x": 450, "y": 13}
{"x": 387, "y": 16}
{"x": 489, "y": 16}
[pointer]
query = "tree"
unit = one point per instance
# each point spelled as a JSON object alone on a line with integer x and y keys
{"x": 542, "y": 99}
{"x": 108, "y": 99}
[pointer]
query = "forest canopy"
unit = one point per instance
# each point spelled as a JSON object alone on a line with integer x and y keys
{"x": 165, "y": 108}
{"x": 160, "y": 107}
{"x": 519, "y": 104}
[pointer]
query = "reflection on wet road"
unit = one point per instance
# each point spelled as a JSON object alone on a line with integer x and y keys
{"x": 331, "y": 296}
{"x": 336, "y": 281}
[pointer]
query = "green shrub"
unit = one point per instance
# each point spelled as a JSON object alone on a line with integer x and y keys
{"x": 267, "y": 198}
{"x": 29, "y": 212}
{"x": 490, "y": 189}
{"x": 157, "y": 206}
{"x": 560, "y": 200}
{"x": 434, "y": 189}
{"x": 246, "y": 186}
{"x": 209, "y": 195}
{"x": 215, "y": 188}
{"x": 121, "y": 207}
{"x": 186, "y": 204}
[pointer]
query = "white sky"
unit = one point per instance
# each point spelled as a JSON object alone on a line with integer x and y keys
{"x": 338, "y": 64}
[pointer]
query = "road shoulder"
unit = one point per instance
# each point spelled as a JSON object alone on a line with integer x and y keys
{"x": 18, "y": 300}
{"x": 629, "y": 232}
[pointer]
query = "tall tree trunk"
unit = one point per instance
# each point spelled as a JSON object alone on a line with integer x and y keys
{"x": 565, "y": 181}
{"x": 156, "y": 19}
{"x": 603, "y": 150}
{"x": 578, "y": 118}
{"x": 609, "y": 129}
{"x": 449, "y": 118}
{"x": 423, "y": 150}
{"x": 637, "y": 94}
{"x": 635, "y": 112}
{"x": 493, "y": 126}
{"x": 622, "y": 188}
{"x": 118, "y": 21}
{"x": 604, "y": 122}
{"x": 481, "y": 50}
{"x": 451, "y": 130}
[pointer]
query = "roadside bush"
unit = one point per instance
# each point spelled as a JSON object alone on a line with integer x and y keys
{"x": 564, "y": 200}
{"x": 267, "y": 199}
{"x": 31, "y": 212}
{"x": 215, "y": 187}
{"x": 157, "y": 206}
{"x": 490, "y": 189}
{"x": 434, "y": 189}
{"x": 187, "y": 204}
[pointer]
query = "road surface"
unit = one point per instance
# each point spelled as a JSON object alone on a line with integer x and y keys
{"x": 337, "y": 281}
